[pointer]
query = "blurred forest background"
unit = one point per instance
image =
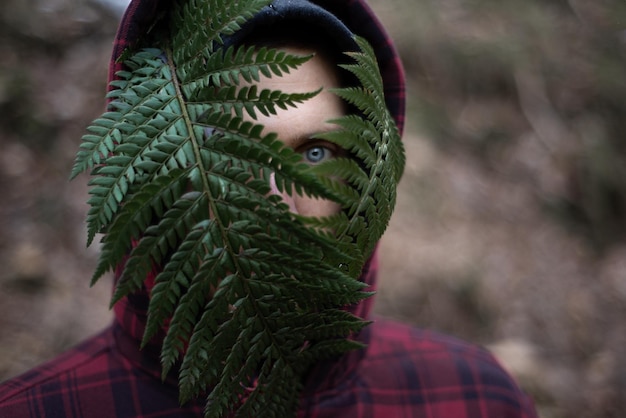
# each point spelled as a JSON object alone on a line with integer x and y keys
{"x": 511, "y": 218}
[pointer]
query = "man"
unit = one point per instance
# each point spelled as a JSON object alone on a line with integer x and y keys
{"x": 401, "y": 372}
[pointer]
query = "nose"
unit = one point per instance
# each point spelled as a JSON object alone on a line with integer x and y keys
{"x": 289, "y": 200}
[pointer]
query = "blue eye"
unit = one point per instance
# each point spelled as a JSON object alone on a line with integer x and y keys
{"x": 317, "y": 154}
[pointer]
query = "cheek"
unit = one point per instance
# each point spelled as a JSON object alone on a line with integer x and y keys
{"x": 308, "y": 206}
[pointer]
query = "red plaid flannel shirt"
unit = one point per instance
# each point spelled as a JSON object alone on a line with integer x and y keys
{"x": 403, "y": 372}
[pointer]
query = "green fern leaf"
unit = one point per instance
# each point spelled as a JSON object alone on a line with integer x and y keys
{"x": 383, "y": 160}
{"x": 251, "y": 294}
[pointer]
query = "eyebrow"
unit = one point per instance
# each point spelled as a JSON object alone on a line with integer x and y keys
{"x": 327, "y": 127}
{"x": 310, "y": 136}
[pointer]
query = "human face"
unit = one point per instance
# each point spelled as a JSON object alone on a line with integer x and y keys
{"x": 297, "y": 126}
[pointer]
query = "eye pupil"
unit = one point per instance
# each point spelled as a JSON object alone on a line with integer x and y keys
{"x": 315, "y": 154}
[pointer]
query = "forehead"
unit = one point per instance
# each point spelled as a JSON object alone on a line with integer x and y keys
{"x": 295, "y": 125}
{"x": 297, "y": 35}
{"x": 318, "y": 72}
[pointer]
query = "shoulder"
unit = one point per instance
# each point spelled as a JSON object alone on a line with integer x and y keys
{"x": 390, "y": 338}
{"x": 62, "y": 374}
{"x": 441, "y": 371}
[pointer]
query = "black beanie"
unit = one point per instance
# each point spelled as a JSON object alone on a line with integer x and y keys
{"x": 303, "y": 14}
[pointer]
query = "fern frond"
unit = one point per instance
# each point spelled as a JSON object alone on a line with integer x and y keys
{"x": 211, "y": 20}
{"x": 381, "y": 161}
{"x": 107, "y": 131}
{"x": 229, "y": 67}
{"x": 251, "y": 295}
{"x": 173, "y": 281}
{"x": 158, "y": 240}
{"x": 137, "y": 214}
{"x": 188, "y": 309}
{"x": 228, "y": 99}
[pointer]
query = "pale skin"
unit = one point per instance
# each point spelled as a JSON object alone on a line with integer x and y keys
{"x": 297, "y": 126}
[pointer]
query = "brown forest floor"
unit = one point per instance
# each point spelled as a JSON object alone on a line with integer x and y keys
{"x": 470, "y": 251}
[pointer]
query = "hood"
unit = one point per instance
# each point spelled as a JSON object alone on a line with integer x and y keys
{"x": 354, "y": 16}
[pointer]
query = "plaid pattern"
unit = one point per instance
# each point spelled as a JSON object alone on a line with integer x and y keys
{"x": 407, "y": 372}
{"x": 403, "y": 372}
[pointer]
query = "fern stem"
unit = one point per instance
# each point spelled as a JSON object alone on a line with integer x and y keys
{"x": 185, "y": 114}
{"x": 223, "y": 230}
{"x": 196, "y": 147}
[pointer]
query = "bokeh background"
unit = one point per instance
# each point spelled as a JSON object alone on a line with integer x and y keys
{"x": 510, "y": 224}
